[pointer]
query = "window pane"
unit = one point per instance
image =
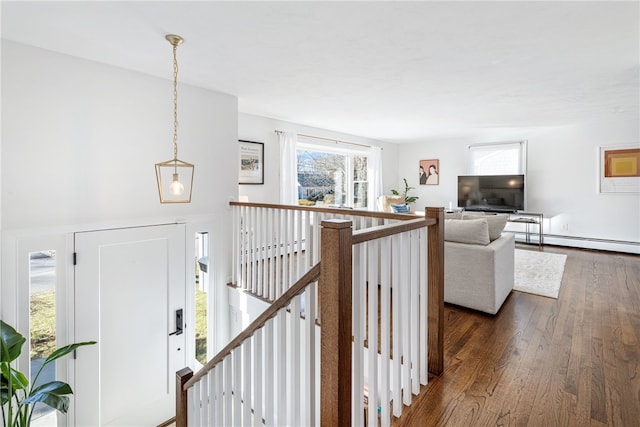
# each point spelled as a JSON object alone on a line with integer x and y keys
{"x": 321, "y": 178}
{"x": 496, "y": 159}
{"x": 360, "y": 184}
{"x": 42, "y": 325}
{"x": 330, "y": 179}
{"x": 202, "y": 295}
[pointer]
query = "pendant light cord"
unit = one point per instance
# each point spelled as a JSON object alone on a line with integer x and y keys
{"x": 175, "y": 103}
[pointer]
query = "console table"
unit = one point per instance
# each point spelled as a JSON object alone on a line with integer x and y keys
{"x": 528, "y": 219}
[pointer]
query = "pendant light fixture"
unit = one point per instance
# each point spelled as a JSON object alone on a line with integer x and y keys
{"x": 175, "y": 177}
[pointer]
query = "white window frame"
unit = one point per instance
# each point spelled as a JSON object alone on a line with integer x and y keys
{"x": 331, "y": 148}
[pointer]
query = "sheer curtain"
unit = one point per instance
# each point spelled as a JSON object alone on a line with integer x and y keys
{"x": 288, "y": 168}
{"x": 374, "y": 175}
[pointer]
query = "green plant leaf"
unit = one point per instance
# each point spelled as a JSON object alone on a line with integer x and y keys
{"x": 4, "y": 394}
{"x": 63, "y": 351}
{"x": 411, "y": 199}
{"x": 17, "y": 378}
{"x": 10, "y": 343}
{"x": 51, "y": 394}
{"x": 395, "y": 192}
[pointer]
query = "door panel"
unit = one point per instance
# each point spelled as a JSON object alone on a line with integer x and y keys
{"x": 128, "y": 285}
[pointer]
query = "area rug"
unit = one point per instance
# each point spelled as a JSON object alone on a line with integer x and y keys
{"x": 538, "y": 273}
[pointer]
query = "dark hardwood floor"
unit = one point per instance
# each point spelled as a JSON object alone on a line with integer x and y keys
{"x": 574, "y": 361}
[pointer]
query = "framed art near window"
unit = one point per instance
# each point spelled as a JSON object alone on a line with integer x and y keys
{"x": 429, "y": 172}
{"x": 251, "y": 162}
{"x": 620, "y": 169}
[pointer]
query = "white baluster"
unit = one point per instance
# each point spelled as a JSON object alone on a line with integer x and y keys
{"x": 405, "y": 311}
{"x": 279, "y": 240}
{"x": 372, "y": 267}
{"x": 294, "y": 366}
{"x": 196, "y": 416}
{"x": 424, "y": 366}
{"x": 247, "y": 378}
{"x": 396, "y": 322}
{"x": 243, "y": 247}
{"x": 415, "y": 304}
{"x": 281, "y": 368}
{"x": 309, "y": 368}
{"x": 191, "y": 405}
{"x": 215, "y": 406}
{"x": 234, "y": 244}
{"x": 237, "y": 385}
{"x": 258, "y": 375}
{"x": 291, "y": 252}
{"x": 252, "y": 247}
{"x": 358, "y": 304}
{"x": 385, "y": 295}
{"x": 228, "y": 391}
{"x": 269, "y": 367}
{"x": 259, "y": 250}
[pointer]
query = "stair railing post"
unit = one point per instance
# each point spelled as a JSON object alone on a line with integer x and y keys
{"x": 182, "y": 376}
{"x": 435, "y": 291}
{"x": 335, "y": 296}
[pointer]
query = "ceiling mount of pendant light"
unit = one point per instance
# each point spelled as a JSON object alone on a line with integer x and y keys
{"x": 175, "y": 177}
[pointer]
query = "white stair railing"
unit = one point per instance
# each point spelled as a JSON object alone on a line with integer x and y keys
{"x": 269, "y": 374}
{"x": 370, "y": 295}
{"x": 274, "y": 245}
{"x": 389, "y": 323}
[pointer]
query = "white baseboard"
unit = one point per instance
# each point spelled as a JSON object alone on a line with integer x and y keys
{"x": 585, "y": 243}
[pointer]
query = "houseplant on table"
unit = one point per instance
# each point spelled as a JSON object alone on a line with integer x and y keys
{"x": 18, "y": 398}
{"x": 407, "y": 199}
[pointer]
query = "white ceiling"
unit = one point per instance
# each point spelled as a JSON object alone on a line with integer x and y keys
{"x": 394, "y": 71}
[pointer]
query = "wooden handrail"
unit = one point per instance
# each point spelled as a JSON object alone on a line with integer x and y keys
{"x": 310, "y": 276}
{"x": 338, "y": 211}
{"x": 380, "y": 231}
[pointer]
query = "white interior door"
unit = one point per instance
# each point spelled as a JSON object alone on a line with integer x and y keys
{"x": 128, "y": 285}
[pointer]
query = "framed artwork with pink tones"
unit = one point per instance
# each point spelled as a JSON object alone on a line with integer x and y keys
{"x": 429, "y": 172}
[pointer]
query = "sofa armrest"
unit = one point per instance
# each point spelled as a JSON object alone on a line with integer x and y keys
{"x": 479, "y": 277}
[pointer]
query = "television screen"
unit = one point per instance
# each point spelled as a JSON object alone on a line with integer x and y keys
{"x": 493, "y": 193}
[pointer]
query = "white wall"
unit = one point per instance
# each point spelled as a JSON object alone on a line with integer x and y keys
{"x": 79, "y": 144}
{"x": 561, "y": 181}
{"x": 261, "y": 129}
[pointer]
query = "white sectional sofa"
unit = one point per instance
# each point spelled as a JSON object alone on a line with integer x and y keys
{"x": 479, "y": 262}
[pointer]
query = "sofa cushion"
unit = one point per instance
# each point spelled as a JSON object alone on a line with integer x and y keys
{"x": 453, "y": 215}
{"x": 400, "y": 208}
{"x": 496, "y": 223}
{"x": 472, "y": 231}
{"x": 385, "y": 202}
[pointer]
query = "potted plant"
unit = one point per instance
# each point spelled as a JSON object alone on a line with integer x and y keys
{"x": 18, "y": 398}
{"x": 407, "y": 199}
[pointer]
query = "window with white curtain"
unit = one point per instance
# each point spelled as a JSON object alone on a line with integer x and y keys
{"x": 507, "y": 158}
{"x": 332, "y": 175}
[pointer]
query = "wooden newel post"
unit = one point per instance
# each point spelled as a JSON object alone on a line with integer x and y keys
{"x": 336, "y": 328}
{"x": 182, "y": 376}
{"x": 435, "y": 285}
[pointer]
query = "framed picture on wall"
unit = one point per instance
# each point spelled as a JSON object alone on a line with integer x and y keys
{"x": 429, "y": 172}
{"x": 620, "y": 169}
{"x": 251, "y": 162}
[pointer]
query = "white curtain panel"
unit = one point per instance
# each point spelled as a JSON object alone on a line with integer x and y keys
{"x": 288, "y": 168}
{"x": 374, "y": 174}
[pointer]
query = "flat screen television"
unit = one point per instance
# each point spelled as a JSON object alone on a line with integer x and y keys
{"x": 491, "y": 193}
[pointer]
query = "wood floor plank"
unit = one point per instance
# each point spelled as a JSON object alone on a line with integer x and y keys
{"x": 574, "y": 361}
